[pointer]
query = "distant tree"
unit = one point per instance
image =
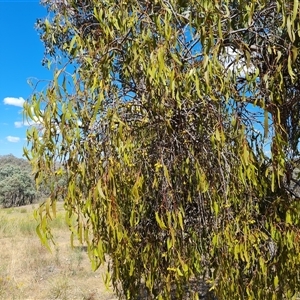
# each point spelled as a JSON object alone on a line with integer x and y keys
{"x": 177, "y": 133}
{"x": 15, "y": 161}
{"x": 16, "y": 187}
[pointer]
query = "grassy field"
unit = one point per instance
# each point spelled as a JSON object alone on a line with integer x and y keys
{"x": 29, "y": 271}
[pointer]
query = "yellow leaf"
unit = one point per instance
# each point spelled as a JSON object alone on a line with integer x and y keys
{"x": 276, "y": 281}
{"x": 160, "y": 222}
{"x": 295, "y": 10}
{"x": 179, "y": 272}
{"x": 288, "y": 218}
{"x": 100, "y": 191}
{"x": 180, "y": 220}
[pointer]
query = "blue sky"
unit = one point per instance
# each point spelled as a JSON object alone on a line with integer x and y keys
{"x": 21, "y": 53}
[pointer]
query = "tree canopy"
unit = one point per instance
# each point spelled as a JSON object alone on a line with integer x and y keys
{"x": 176, "y": 124}
{"x": 17, "y": 185}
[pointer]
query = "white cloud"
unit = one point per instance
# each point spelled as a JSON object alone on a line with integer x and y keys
{"x": 14, "y": 101}
{"x": 235, "y": 61}
{"x": 19, "y": 124}
{"x": 13, "y": 139}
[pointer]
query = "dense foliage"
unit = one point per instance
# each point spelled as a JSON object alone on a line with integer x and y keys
{"x": 17, "y": 185}
{"x": 177, "y": 131}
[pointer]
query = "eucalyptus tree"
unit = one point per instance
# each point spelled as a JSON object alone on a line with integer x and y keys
{"x": 176, "y": 124}
{"x": 16, "y": 182}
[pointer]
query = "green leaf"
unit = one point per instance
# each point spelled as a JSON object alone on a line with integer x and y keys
{"x": 99, "y": 189}
{"x": 266, "y": 124}
{"x": 290, "y": 28}
{"x": 179, "y": 272}
{"x": 47, "y": 24}
{"x": 276, "y": 281}
{"x": 180, "y": 219}
{"x": 288, "y": 218}
{"x": 295, "y": 10}
{"x": 160, "y": 222}
{"x": 290, "y": 67}
{"x": 72, "y": 43}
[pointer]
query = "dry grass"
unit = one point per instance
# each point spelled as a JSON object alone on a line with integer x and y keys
{"x": 29, "y": 271}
